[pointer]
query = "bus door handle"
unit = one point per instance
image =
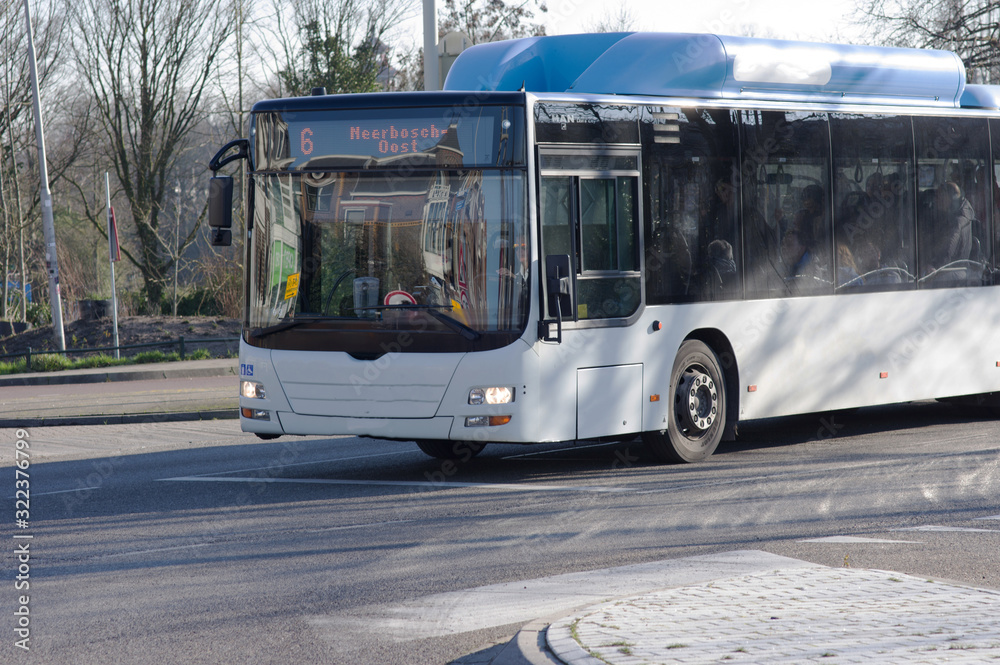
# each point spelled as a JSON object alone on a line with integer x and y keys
{"x": 559, "y": 286}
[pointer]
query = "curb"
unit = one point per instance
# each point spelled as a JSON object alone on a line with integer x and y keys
{"x": 123, "y": 419}
{"x": 110, "y": 374}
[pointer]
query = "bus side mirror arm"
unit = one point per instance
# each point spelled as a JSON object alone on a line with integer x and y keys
{"x": 220, "y": 159}
{"x": 559, "y": 288}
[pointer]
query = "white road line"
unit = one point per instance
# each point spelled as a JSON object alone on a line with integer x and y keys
{"x": 991, "y": 517}
{"x": 556, "y": 450}
{"x": 78, "y": 489}
{"x": 288, "y": 466}
{"x": 403, "y": 483}
{"x": 518, "y": 602}
{"x": 856, "y": 539}
{"x": 930, "y": 527}
{"x": 359, "y": 526}
{"x": 154, "y": 551}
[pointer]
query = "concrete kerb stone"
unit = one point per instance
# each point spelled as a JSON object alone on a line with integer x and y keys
{"x": 147, "y": 372}
{"x": 121, "y": 419}
{"x": 801, "y": 615}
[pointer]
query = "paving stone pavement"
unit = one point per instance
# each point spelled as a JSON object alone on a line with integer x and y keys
{"x": 801, "y": 615}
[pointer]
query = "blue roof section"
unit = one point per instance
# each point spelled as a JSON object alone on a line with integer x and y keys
{"x": 981, "y": 96}
{"x": 541, "y": 64}
{"x": 713, "y": 67}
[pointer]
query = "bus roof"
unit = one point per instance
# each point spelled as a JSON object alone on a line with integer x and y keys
{"x": 378, "y": 100}
{"x": 716, "y": 67}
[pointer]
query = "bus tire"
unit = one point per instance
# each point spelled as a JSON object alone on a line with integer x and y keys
{"x": 462, "y": 451}
{"x": 697, "y": 417}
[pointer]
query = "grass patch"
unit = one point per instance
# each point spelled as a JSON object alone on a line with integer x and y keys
{"x": 54, "y": 362}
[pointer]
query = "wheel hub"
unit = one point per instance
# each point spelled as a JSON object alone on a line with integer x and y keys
{"x": 697, "y": 401}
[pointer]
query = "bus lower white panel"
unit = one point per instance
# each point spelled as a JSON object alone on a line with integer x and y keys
{"x": 818, "y": 354}
{"x": 609, "y": 400}
{"x": 385, "y": 428}
{"x": 397, "y": 385}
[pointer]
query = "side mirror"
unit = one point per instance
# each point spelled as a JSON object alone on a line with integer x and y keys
{"x": 220, "y": 210}
{"x": 558, "y": 284}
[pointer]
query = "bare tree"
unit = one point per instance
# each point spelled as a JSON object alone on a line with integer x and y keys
{"x": 342, "y": 45}
{"x": 620, "y": 20}
{"x": 21, "y": 250}
{"x": 147, "y": 65}
{"x": 492, "y": 20}
{"x": 970, "y": 28}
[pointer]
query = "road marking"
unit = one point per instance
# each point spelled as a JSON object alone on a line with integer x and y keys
{"x": 930, "y": 527}
{"x": 855, "y": 539}
{"x": 291, "y": 464}
{"x": 556, "y": 450}
{"x": 359, "y": 526}
{"x": 404, "y": 483}
{"x": 518, "y": 602}
{"x": 154, "y": 551}
{"x": 78, "y": 489}
{"x": 991, "y": 517}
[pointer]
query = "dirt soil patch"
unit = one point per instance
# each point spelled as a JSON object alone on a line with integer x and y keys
{"x": 132, "y": 330}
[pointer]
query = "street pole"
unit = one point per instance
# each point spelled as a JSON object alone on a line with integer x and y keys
{"x": 113, "y": 256}
{"x": 177, "y": 238}
{"x": 432, "y": 75}
{"x": 48, "y": 223}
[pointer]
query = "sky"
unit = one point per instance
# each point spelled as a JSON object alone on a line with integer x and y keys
{"x": 784, "y": 19}
{"x": 829, "y": 20}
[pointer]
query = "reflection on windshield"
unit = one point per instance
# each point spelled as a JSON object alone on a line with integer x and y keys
{"x": 438, "y": 250}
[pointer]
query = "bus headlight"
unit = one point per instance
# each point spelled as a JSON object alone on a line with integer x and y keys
{"x": 252, "y": 389}
{"x": 492, "y": 395}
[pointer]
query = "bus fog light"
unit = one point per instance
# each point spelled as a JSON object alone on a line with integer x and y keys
{"x": 486, "y": 421}
{"x": 492, "y": 395}
{"x": 252, "y": 389}
{"x": 255, "y": 414}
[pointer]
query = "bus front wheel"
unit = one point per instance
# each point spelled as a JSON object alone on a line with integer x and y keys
{"x": 697, "y": 417}
{"x": 462, "y": 451}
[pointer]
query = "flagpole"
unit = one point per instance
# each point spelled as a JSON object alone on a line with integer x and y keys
{"x": 113, "y": 255}
{"x": 48, "y": 223}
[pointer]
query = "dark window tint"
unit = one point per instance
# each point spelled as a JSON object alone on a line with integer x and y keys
{"x": 786, "y": 204}
{"x": 585, "y": 123}
{"x": 693, "y": 241}
{"x": 993, "y": 186}
{"x": 873, "y": 202}
{"x": 953, "y": 239}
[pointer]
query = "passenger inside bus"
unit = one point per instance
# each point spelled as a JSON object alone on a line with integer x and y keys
{"x": 950, "y": 235}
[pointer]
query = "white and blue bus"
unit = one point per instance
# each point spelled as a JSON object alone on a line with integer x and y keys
{"x": 610, "y": 236}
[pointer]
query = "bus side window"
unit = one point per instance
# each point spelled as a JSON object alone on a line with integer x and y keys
{"x": 873, "y": 201}
{"x": 786, "y": 203}
{"x": 693, "y": 249}
{"x": 952, "y": 239}
{"x": 993, "y": 205}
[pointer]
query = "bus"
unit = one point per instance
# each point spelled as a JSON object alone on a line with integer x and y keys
{"x": 613, "y": 236}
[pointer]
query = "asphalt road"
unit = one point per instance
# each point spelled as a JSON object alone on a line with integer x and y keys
{"x": 195, "y": 543}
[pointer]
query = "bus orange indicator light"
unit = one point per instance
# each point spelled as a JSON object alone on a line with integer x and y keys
{"x": 752, "y": 388}
{"x": 499, "y": 420}
{"x": 658, "y": 325}
{"x": 654, "y": 398}
{"x": 883, "y": 375}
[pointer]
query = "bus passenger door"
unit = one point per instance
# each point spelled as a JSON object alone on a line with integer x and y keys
{"x": 592, "y": 290}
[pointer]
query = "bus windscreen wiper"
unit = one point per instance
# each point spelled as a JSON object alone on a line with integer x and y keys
{"x": 462, "y": 329}
{"x": 287, "y": 324}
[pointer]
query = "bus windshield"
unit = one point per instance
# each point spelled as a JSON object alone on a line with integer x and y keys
{"x": 429, "y": 250}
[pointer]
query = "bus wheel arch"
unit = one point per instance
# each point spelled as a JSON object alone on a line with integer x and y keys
{"x": 701, "y": 386}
